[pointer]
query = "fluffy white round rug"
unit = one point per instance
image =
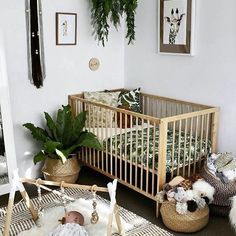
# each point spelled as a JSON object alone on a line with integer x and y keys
{"x": 50, "y": 218}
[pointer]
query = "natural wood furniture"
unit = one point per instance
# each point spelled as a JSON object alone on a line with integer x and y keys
{"x": 184, "y": 130}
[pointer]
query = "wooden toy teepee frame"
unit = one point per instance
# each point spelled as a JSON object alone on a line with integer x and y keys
{"x": 18, "y": 184}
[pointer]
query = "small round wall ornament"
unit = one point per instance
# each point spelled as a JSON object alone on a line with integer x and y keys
{"x": 94, "y": 64}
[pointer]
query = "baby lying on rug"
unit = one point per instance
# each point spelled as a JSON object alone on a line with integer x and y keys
{"x": 71, "y": 225}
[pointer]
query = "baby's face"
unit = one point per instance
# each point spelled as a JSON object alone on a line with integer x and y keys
{"x": 74, "y": 217}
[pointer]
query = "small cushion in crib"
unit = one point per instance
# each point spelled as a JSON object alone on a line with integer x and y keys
{"x": 131, "y": 100}
{"x": 98, "y": 117}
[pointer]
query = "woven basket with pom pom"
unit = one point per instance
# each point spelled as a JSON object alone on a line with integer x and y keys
{"x": 187, "y": 223}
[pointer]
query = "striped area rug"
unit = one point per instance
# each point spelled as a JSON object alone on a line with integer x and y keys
{"x": 22, "y": 221}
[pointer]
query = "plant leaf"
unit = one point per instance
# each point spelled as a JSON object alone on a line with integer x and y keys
{"x": 78, "y": 125}
{"x": 38, "y": 133}
{"x": 39, "y": 157}
{"x": 51, "y": 126}
{"x": 64, "y": 126}
{"x": 51, "y": 146}
{"x": 88, "y": 139}
{"x": 61, "y": 155}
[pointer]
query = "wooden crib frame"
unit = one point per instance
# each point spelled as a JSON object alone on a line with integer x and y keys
{"x": 199, "y": 122}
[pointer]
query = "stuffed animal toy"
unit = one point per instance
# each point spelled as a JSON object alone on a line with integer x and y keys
{"x": 180, "y": 197}
{"x": 205, "y": 189}
{"x": 194, "y": 200}
{"x": 186, "y": 184}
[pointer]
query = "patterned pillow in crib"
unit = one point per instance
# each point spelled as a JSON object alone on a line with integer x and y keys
{"x": 98, "y": 116}
{"x": 131, "y": 100}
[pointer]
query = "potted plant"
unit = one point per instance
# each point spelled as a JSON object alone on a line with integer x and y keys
{"x": 115, "y": 9}
{"x": 61, "y": 140}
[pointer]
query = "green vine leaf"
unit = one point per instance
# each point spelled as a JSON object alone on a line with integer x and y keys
{"x": 103, "y": 10}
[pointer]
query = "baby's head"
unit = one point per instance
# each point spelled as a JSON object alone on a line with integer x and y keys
{"x": 73, "y": 217}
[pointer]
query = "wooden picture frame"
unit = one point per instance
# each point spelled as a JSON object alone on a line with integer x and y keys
{"x": 176, "y": 20}
{"x": 66, "y": 28}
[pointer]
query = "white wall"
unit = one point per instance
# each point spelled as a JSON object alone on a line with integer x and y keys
{"x": 66, "y": 67}
{"x": 208, "y": 77}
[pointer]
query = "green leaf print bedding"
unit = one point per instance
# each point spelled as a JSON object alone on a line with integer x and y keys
{"x": 139, "y": 146}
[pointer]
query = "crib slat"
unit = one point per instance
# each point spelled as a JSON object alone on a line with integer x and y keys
{"x": 116, "y": 151}
{"x": 131, "y": 147}
{"x": 173, "y": 151}
{"x": 207, "y": 132}
{"x": 125, "y": 148}
{"x": 136, "y": 153}
{"x": 195, "y": 147}
{"x": 190, "y": 145}
{"x": 153, "y": 157}
{"x": 141, "y": 179}
{"x": 106, "y": 138}
{"x": 185, "y": 145}
{"x": 147, "y": 166}
{"x": 179, "y": 146}
{"x": 121, "y": 152}
{"x": 111, "y": 141}
{"x": 102, "y": 136}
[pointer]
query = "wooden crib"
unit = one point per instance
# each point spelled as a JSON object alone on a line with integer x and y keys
{"x": 169, "y": 138}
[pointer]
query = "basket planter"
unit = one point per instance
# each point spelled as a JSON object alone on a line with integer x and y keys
{"x": 54, "y": 170}
{"x": 221, "y": 203}
{"x": 187, "y": 223}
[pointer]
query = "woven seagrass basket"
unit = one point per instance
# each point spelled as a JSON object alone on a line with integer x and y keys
{"x": 223, "y": 192}
{"x": 54, "y": 170}
{"x": 188, "y": 223}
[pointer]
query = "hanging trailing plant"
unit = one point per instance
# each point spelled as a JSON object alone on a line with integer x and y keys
{"x": 102, "y": 10}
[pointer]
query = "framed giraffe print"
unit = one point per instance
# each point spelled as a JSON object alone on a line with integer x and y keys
{"x": 176, "y": 26}
{"x": 66, "y": 28}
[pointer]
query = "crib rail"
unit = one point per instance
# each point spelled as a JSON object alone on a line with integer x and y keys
{"x": 162, "y": 107}
{"x": 131, "y": 153}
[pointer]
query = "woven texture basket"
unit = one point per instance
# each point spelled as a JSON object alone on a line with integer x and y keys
{"x": 54, "y": 170}
{"x": 188, "y": 223}
{"x": 223, "y": 192}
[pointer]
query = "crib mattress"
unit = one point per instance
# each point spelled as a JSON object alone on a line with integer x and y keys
{"x": 136, "y": 146}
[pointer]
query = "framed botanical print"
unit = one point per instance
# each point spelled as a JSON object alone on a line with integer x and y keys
{"x": 66, "y": 28}
{"x": 176, "y": 26}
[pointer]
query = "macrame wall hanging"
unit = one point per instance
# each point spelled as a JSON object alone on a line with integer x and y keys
{"x": 35, "y": 42}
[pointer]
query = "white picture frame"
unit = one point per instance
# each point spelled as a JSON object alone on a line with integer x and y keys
{"x": 176, "y": 27}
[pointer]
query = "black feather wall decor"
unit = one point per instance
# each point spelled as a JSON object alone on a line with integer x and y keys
{"x": 35, "y": 42}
